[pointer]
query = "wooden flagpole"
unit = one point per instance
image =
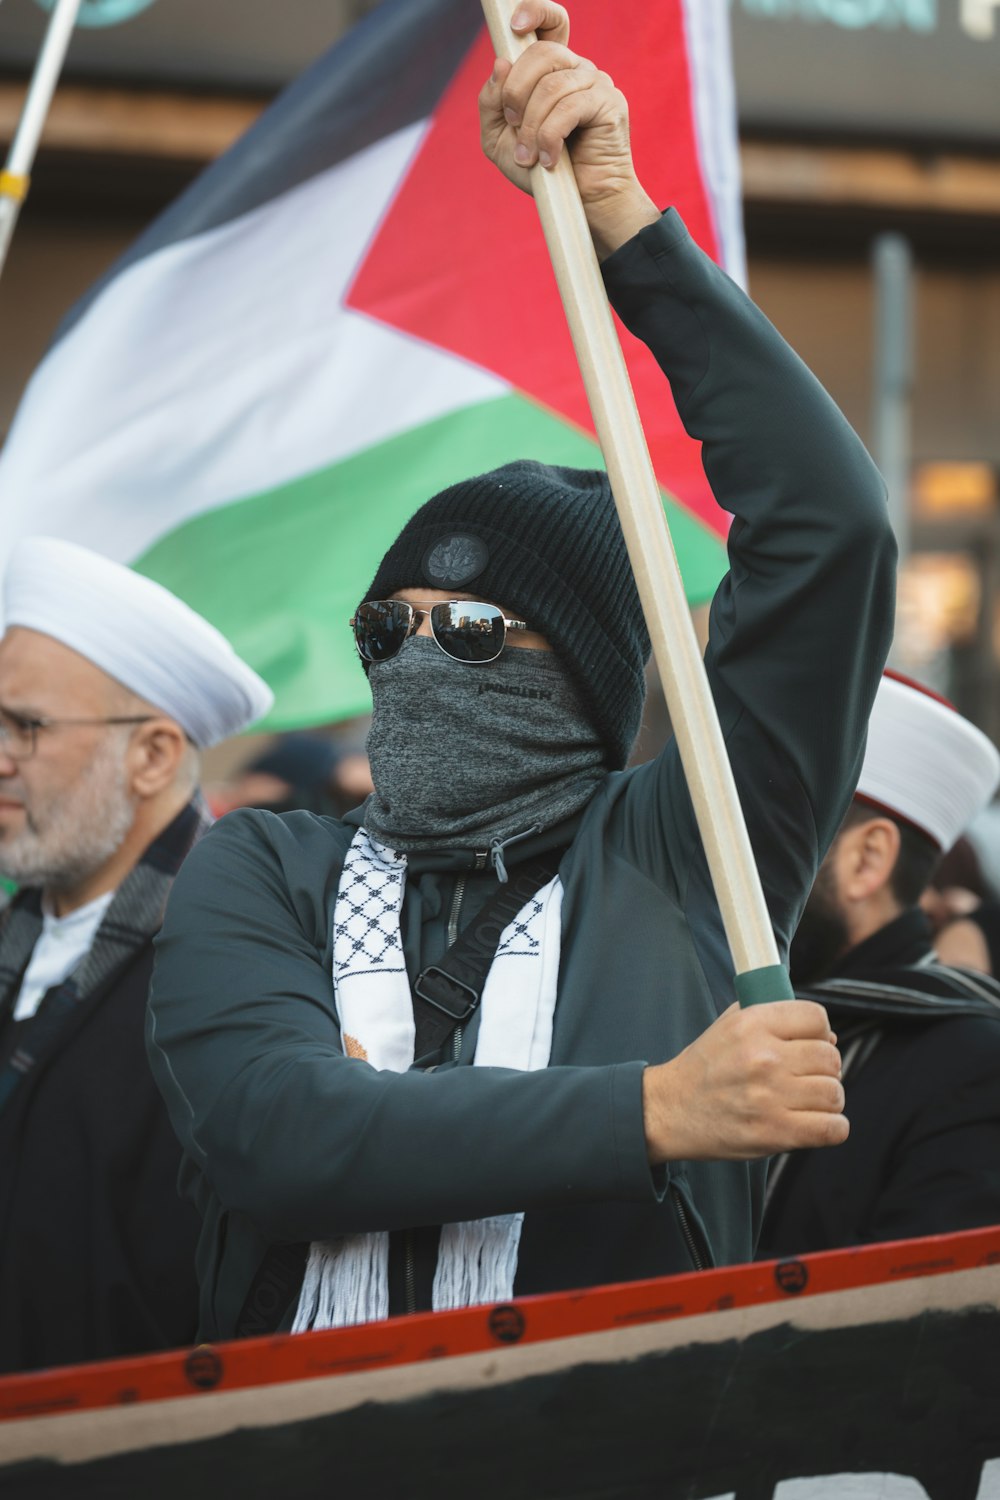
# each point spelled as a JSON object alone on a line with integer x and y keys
{"x": 15, "y": 178}
{"x": 760, "y": 976}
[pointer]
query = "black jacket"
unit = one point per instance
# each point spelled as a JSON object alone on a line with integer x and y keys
{"x": 287, "y": 1139}
{"x": 96, "y": 1247}
{"x": 921, "y": 1044}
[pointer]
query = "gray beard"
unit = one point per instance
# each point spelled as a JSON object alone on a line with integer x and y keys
{"x": 464, "y": 755}
{"x": 66, "y": 842}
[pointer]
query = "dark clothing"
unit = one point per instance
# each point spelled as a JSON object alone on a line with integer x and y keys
{"x": 921, "y": 1047}
{"x": 287, "y": 1139}
{"x": 96, "y": 1248}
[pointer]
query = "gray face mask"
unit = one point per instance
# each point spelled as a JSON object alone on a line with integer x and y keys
{"x": 463, "y": 756}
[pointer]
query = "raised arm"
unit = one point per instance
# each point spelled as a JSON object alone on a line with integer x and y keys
{"x": 801, "y": 625}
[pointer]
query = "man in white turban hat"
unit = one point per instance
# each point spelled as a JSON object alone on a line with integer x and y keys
{"x": 109, "y": 688}
{"x": 920, "y": 1040}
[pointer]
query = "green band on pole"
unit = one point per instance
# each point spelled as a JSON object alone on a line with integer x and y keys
{"x": 761, "y": 986}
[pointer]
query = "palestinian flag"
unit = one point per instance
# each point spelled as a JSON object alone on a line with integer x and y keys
{"x": 349, "y": 310}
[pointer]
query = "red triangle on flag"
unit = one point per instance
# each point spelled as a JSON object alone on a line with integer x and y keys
{"x": 460, "y": 262}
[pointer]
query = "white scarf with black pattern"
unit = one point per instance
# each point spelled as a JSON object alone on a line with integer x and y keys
{"x": 347, "y": 1280}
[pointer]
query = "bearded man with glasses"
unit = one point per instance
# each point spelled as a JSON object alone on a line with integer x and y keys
{"x": 109, "y": 687}
{"x": 478, "y": 1039}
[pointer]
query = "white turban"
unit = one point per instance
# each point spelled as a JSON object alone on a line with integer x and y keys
{"x": 924, "y": 762}
{"x": 137, "y": 632}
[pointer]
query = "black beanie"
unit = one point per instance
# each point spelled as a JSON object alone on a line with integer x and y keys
{"x": 547, "y": 545}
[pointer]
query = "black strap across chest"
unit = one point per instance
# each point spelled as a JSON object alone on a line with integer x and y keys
{"x": 445, "y": 995}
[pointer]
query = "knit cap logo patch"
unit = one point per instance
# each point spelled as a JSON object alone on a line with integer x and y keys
{"x": 455, "y": 561}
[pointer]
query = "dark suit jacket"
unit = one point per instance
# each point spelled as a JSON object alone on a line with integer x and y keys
{"x": 96, "y": 1248}
{"x": 923, "y": 1156}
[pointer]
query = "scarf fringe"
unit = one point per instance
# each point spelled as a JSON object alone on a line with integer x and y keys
{"x": 477, "y": 1262}
{"x": 346, "y": 1282}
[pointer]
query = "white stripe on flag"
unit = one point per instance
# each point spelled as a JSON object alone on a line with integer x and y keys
{"x": 222, "y": 366}
{"x": 714, "y": 93}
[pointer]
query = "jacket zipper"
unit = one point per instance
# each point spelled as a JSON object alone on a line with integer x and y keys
{"x": 456, "y": 906}
{"x": 411, "y": 1274}
{"x": 687, "y": 1230}
{"x": 410, "y": 1257}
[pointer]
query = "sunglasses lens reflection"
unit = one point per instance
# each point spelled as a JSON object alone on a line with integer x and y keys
{"x": 469, "y": 632}
{"x": 380, "y": 628}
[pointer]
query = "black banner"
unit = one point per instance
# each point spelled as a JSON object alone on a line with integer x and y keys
{"x": 882, "y": 1407}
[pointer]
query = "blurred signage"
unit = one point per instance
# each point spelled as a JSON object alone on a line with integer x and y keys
{"x": 925, "y": 70}
{"x": 104, "y": 12}
{"x": 921, "y": 69}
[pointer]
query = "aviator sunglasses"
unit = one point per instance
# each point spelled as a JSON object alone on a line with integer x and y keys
{"x": 464, "y": 629}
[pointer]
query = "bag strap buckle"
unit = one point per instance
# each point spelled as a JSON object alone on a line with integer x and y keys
{"x": 446, "y": 994}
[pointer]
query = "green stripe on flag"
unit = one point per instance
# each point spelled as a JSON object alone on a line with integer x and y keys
{"x": 280, "y": 573}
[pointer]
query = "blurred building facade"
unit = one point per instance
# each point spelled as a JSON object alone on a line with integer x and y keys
{"x": 858, "y": 117}
{"x": 861, "y": 118}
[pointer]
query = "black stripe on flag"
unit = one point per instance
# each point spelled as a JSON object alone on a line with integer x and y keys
{"x": 388, "y": 72}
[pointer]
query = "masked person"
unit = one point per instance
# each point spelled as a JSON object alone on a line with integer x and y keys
{"x": 109, "y": 687}
{"x": 920, "y": 1040}
{"x": 601, "y": 1114}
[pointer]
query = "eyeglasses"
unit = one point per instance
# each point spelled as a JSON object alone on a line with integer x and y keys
{"x": 19, "y": 736}
{"x": 464, "y": 629}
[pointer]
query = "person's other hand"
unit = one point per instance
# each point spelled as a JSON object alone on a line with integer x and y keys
{"x": 759, "y": 1081}
{"x": 531, "y": 109}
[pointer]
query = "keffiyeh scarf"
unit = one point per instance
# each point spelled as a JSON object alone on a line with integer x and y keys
{"x": 346, "y": 1280}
